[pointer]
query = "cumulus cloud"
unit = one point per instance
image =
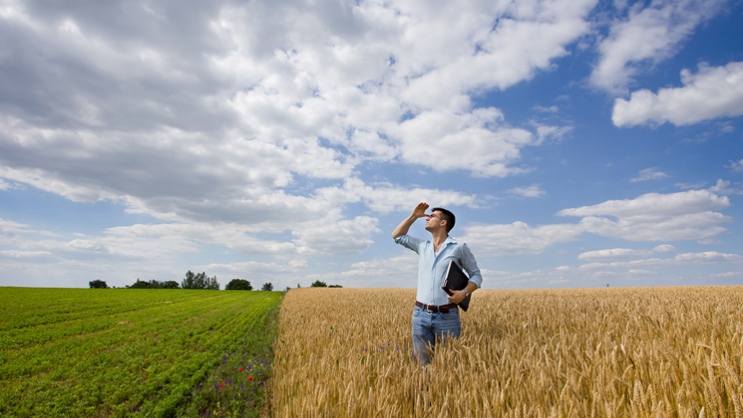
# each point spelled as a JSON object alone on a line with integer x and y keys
{"x": 210, "y": 115}
{"x": 648, "y": 35}
{"x": 397, "y": 272}
{"x": 469, "y": 142}
{"x": 23, "y": 254}
{"x": 615, "y": 253}
{"x": 725, "y": 187}
{"x": 654, "y": 204}
{"x": 656, "y": 217}
{"x": 680, "y": 260}
{"x": 518, "y": 237}
{"x": 713, "y": 92}
{"x": 664, "y": 248}
{"x": 386, "y": 197}
{"x": 687, "y": 215}
{"x": 341, "y": 237}
{"x": 649, "y": 174}
{"x": 488, "y": 52}
{"x": 528, "y": 191}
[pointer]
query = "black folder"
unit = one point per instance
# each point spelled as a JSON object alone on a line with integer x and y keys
{"x": 456, "y": 279}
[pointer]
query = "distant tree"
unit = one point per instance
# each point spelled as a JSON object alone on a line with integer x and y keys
{"x": 189, "y": 282}
{"x": 154, "y": 284}
{"x": 335, "y": 285}
{"x": 141, "y": 284}
{"x": 238, "y": 284}
{"x": 318, "y": 283}
{"x": 199, "y": 281}
{"x": 98, "y": 284}
{"x": 267, "y": 286}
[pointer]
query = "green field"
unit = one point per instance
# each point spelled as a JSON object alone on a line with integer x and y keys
{"x": 135, "y": 352}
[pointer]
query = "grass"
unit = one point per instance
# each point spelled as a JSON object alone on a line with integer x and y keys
{"x": 135, "y": 352}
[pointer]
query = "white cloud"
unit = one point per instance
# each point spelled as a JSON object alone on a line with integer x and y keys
{"x": 680, "y": 260}
{"x": 664, "y": 248}
{"x": 385, "y": 198}
{"x": 397, "y": 272}
{"x": 654, "y": 205}
{"x": 222, "y": 115}
{"x": 615, "y": 253}
{"x": 713, "y": 92}
{"x": 640, "y": 272}
{"x": 724, "y": 187}
{"x": 649, "y": 174}
{"x": 336, "y": 238}
{"x": 547, "y": 109}
{"x": 533, "y": 190}
{"x": 728, "y": 274}
{"x": 649, "y": 34}
{"x": 472, "y": 47}
{"x": 477, "y": 142}
{"x": 651, "y": 217}
{"x": 518, "y": 237}
{"x": 22, "y": 254}
{"x": 654, "y": 227}
{"x": 736, "y": 165}
{"x": 554, "y": 133}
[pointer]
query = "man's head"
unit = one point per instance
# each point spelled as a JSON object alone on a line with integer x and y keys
{"x": 443, "y": 218}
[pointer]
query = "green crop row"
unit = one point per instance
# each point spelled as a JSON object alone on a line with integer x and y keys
{"x": 125, "y": 352}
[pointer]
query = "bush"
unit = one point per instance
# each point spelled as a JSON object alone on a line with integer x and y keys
{"x": 154, "y": 284}
{"x": 98, "y": 284}
{"x": 267, "y": 287}
{"x": 239, "y": 284}
{"x": 318, "y": 283}
{"x": 141, "y": 284}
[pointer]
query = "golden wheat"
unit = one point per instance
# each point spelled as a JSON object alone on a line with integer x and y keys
{"x": 642, "y": 352}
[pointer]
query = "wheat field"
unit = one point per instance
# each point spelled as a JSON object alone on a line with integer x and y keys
{"x": 606, "y": 352}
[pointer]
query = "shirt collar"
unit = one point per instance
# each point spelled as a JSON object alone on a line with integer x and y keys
{"x": 449, "y": 240}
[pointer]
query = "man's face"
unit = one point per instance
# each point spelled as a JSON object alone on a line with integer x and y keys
{"x": 434, "y": 221}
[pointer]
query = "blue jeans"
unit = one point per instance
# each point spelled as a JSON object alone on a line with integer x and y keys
{"x": 430, "y": 328}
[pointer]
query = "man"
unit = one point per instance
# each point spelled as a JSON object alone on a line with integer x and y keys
{"x": 436, "y": 314}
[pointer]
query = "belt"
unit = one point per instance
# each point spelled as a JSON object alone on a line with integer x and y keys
{"x": 434, "y": 308}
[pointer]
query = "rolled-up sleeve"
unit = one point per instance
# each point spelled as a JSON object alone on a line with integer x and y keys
{"x": 409, "y": 242}
{"x": 469, "y": 264}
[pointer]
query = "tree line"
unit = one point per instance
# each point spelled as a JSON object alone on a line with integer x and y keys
{"x": 199, "y": 281}
{"x": 190, "y": 281}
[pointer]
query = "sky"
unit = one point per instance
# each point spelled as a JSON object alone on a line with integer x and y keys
{"x": 581, "y": 143}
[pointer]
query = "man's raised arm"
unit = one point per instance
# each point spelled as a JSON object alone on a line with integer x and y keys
{"x": 418, "y": 212}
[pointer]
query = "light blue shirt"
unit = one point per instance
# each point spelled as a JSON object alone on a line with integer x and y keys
{"x": 432, "y": 268}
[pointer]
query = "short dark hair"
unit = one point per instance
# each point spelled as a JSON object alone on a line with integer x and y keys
{"x": 447, "y": 216}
